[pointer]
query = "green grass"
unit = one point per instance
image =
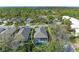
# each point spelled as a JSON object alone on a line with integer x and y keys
{"x": 77, "y": 49}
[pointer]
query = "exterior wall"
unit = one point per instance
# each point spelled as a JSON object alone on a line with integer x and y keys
{"x": 41, "y": 41}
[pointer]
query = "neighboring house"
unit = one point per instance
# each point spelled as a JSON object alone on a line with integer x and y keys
{"x": 23, "y": 34}
{"x": 4, "y": 23}
{"x": 19, "y": 20}
{"x": 12, "y": 20}
{"x": 54, "y": 21}
{"x": 8, "y": 20}
{"x": 42, "y": 17}
{"x": 74, "y": 24}
{"x": 74, "y": 21}
{"x": 65, "y": 17}
{"x": 1, "y": 29}
{"x": 28, "y": 20}
{"x": 69, "y": 48}
{"x": 40, "y": 36}
{"x": 7, "y": 33}
{"x": 15, "y": 44}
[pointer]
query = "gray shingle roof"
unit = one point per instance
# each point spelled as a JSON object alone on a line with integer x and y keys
{"x": 23, "y": 34}
{"x": 8, "y": 32}
{"x": 15, "y": 44}
{"x": 28, "y": 20}
{"x": 41, "y": 33}
{"x": 1, "y": 29}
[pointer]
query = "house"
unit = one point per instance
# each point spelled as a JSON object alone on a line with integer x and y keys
{"x": 15, "y": 44}
{"x": 1, "y": 29}
{"x": 23, "y": 34}
{"x": 28, "y": 20}
{"x": 7, "y": 33}
{"x": 74, "y": 24}
{"x": 4, "y": 23}
{"x": 54, "y": 21}
{"x": 12, "y": 20}
{"x": 42, "y": 17}
{"x": 69, "y": 48}
{"x": 19, "y": 20}
{"x": 65, "y": 17}
{"x": 8, "y": 20}
{"x": 40, "y": 36}
{"x": 74, "y": 21}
